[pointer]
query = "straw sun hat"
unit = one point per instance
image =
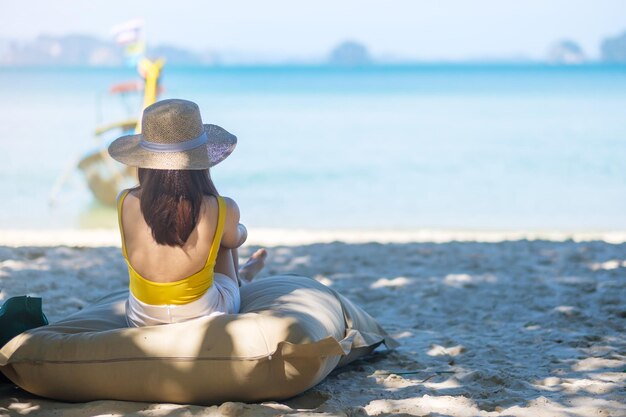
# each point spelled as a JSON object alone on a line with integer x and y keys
{"x": 174, "y": 137}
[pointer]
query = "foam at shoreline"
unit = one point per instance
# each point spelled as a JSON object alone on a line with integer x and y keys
{"x": 290, "y": 237}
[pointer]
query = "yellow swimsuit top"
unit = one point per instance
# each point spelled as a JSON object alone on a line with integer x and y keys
{"x": 178, "y": 292}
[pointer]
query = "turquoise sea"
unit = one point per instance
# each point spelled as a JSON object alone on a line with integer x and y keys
{"x": 515, "y": 147}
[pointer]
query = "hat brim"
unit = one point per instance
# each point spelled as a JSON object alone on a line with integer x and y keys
{"x": 127, "y": 150}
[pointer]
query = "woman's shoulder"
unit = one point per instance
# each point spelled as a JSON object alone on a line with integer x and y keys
{"x": 121, "y": 195}
{"x": 125, "y": 193}
{"x": 128, "y": 206}
{"x": 231, "y": 205}
{"x": 232, "y": 209}
{"x": 211, "y": 207}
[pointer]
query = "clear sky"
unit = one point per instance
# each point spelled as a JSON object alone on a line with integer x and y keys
{"x": 436, "y": 29}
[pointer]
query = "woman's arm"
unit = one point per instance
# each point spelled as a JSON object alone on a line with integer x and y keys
{"x": 235, "y": 233}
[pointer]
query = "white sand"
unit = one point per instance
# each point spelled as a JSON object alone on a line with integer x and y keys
{"x": 492, "y": 328}
{"x": 275, "y": 237}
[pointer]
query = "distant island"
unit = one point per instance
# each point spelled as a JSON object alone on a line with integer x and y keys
{"x": 614, "y": 49}
{"x": 566, "y": 52}
{"x": 350, "y": 53}
{"x": 86, "y": 50}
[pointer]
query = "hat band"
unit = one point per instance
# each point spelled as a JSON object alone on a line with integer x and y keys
{"x": 187, "y": 145}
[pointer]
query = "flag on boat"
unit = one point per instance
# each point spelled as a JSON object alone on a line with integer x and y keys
{"x": 130, "y": 35}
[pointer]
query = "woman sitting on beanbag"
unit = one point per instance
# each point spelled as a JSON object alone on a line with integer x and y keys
{"x": 179, "y": 236}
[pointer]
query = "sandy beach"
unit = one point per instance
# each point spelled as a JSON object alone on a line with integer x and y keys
{"x": 490, "y": 323}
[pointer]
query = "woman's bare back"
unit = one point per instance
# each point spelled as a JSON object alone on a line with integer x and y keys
{"x": 162, "y": 263}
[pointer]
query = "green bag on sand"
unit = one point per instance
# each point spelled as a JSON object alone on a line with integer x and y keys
{"x": 19, "y": 314}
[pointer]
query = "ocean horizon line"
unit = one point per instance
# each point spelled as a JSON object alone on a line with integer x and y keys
{"x": 408, "y": 65}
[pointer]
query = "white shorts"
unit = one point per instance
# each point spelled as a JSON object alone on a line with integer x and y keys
{"x": 221, "y": 298}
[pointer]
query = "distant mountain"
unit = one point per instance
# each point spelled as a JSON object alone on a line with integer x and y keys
{"x": 350, "y": 53}
{"x": 175, "y": 55}
{"x": 566, "y": 52}
{"x": 85, "y": 50}
{"x": 614, "y": 49}
{"x": 69, "y": 50}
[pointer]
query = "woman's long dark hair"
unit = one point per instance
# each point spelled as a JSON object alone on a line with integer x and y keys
{"x": 171, "y": 202}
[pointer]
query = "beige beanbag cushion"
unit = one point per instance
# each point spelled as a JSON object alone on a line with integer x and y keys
{"x": 291, "y": 333}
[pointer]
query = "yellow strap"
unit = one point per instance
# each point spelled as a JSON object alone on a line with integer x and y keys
{"x": 120, "y": 202}
{"x": 217, "y": 239}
